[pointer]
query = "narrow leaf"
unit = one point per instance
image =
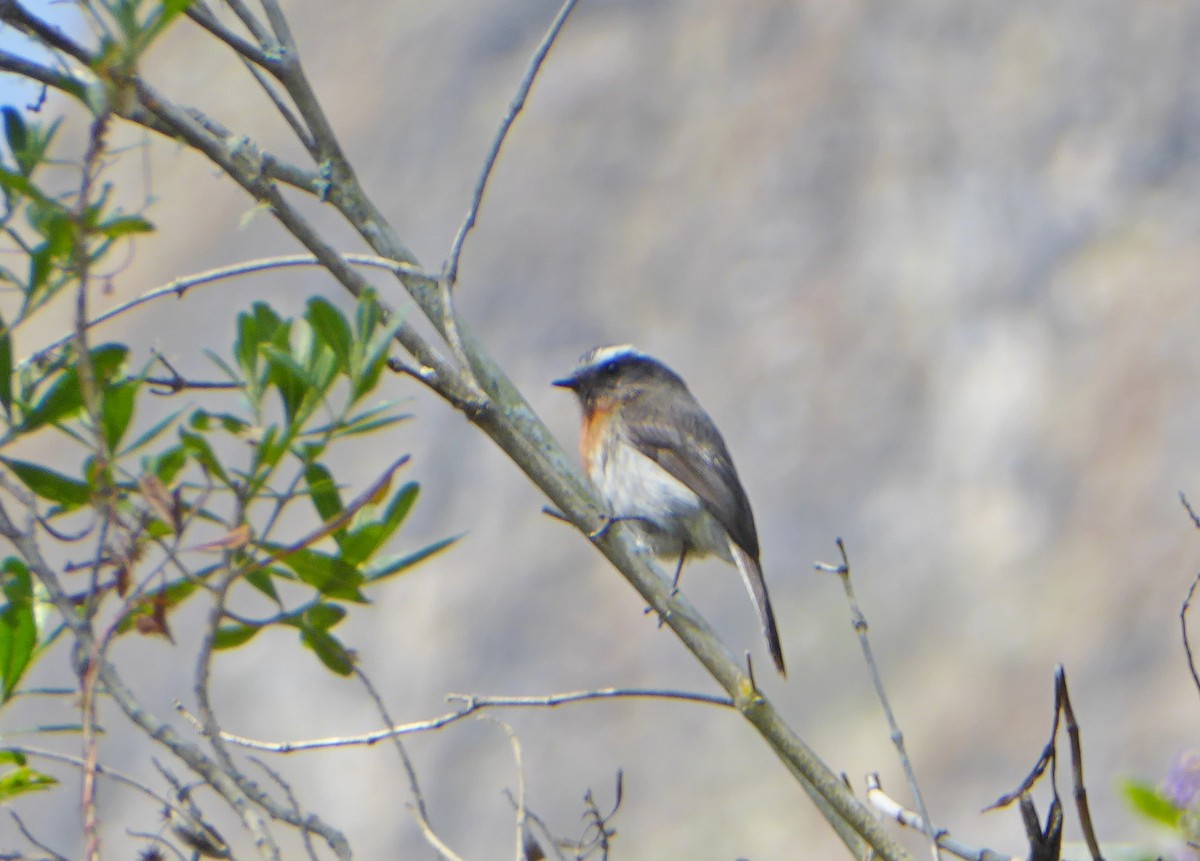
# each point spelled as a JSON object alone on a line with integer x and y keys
{"x": 64, "y": 397}
{"x": 124, "y": 225}
{"x": 151, "y": 435}
{"x": 18, "y": 627}
{"x": 6, "y": 368}
{"x": 14, "y": 129}
{"x": 323, "y": 491}
{"x": 362, "y": 542}
{"x": 22, "y": 781}
{"x": 232, "y": 636}
{"x": 324, "y": 616}
{"x": 68, "y": 492}
{"x": 200, "y": 451}
{"x": 260, "y": 579}
{"x": 330, "y": 327}
{"x": 1151, "y": 803}
{"x": 116, "y": 411}
{"x": 329, "y": 575}
{"x": 396, "y": 566}
{"x": 329, "y": 649}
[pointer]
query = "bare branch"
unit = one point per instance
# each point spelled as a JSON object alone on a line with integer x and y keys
{"x": 28, "y": 835}
{"x": 891, "y": 809}
{"x": 470, "y": 705}
{"x": 15, "y": 15}
{"x": 410, "y": 770}
{"x": 519, "y": 801}
{"x": 257, "y": 29}
{"x": 859, "y": 620}
{"x": 180, "y": 286}
{"x": 204, "y": 17}
{"x": 489, "y": 162}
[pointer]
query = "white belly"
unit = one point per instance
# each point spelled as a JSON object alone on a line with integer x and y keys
{"x": 667, "y": 516}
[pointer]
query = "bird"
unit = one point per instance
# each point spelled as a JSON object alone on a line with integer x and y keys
{"x": 659, "y": 463}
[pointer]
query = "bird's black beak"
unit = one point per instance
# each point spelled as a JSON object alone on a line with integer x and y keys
{"x": 571, "y": 382}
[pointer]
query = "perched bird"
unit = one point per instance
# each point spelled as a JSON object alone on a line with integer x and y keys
{"x": 660, "y": 464}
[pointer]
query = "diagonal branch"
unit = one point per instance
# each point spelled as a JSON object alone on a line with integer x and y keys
{"x": 204, "y": 17}
{"x": 514, "y": 108}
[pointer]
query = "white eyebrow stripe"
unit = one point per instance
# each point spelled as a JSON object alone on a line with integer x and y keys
{"x": 600, "y": 355}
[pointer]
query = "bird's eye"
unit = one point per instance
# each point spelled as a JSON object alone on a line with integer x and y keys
{"x": 611, "y": 368}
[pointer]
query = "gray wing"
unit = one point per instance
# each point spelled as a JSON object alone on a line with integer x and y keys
{"x": 691, "y": 449}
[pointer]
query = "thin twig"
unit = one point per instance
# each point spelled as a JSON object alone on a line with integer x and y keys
{"x": 205, "y": 18}
{"x": 101, "y": 769}
{"x": 1187, "y": 604}
{"x": 1080, "y": 789}
{"x": 519, "y": 801}
{"x": 89, "y": 388}
{"x": 257, "y": 29}
{"x": 292, "y": 800}
{"x": 180, "y": 286}
{"x": 28, "y": 835}
{"x": 489, "y": 162}
{"x": 410, "y": 770}
{"x": 470, "y": 705}
{"x": 859, "y": 620}
{"x": 1191, "y": 511}
{"x": 433, "y": 840}
{"x": 892, "y": 809}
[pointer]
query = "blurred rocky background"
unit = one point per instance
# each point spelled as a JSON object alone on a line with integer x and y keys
{"x": 935, "y": 269}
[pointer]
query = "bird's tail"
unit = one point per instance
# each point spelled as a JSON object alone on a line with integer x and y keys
{"x": 757, "y": 587}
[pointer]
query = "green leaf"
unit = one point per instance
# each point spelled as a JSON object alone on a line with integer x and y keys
{"x": 223, "y": 366}
{"x": 232, "y": 636}
{"x": 324, "y": 616}
{"x": 364, "y": 422}
{"x": 362, "y": 542}
{"x": 33, "y": 141}
{"x": 270, "y": 449}
{"x": 260, "y": 579}
{"x": 19, "y": 184}
{"x": 329, "y": 649}
{"x": 123, "y": 225}
{"x": 68, "y": 492}
{"x": 22, "y": 781}
{"x": 167, "y": 464}
{"x": 389, "y": 568}
{"x": 116, "y": 411}
{"x": 200, "y": 451}
{"x": 367, "y": 316}
{"x": 64, "y": 397}
{"x": 373, "y": 364}
{"x": 259, "y": 326}
{"x": 18, "y": 627}
{"x": 331, "y": 328}
{"x": 329, "y": 575}
{"x": 151, "y": 435}
{"x": 6, "y": 366}
{"x": 14, "y": 130}
{"x": 203, "y": 419}
{"x": 1151, "y": 803}
{"x": 323, "y": 491}
{"x": 289, "y": 378}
